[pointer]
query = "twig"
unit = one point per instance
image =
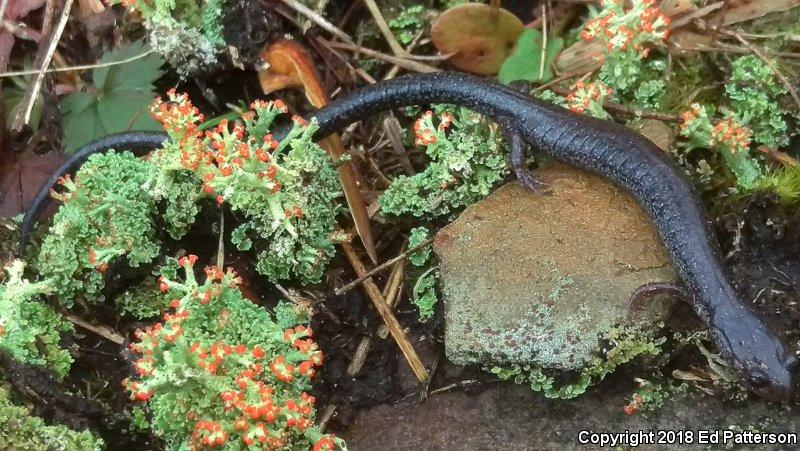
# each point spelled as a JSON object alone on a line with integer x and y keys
{"x": 397, "y": 49}
{"x": 221, "y": 242}
{"x": 381, "y": 267}
{"x": 778, "y": 156}
{"x": 104, "y": 331}
{"x": 449, "y": 387}
{"x": 24, "y": 116}
{"x": 326, "y": 416}
{"x": 317, "y": 19}
{"x": 20, "y": 73}
{"x": 696, "y": 14}
{"x": 3, "y": 8}
{"x": 391, "y": 293}
{"x": 386, "y": 314}
{"x": 402, "y": 62}
{"x": 785, "y": 81}
{"x": 20, "y": 30}
{"x": 543, "y": 55}
{"x": 559, "y": 79}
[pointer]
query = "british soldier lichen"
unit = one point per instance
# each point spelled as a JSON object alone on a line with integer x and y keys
{"x": 108, "y": 213}
{"x": 286, "y": 193}
{"x": 221, "y": 371}
{"x": 467, "y": 161}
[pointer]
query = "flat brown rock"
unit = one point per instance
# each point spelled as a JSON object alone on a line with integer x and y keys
{"x": 537, "y": 279}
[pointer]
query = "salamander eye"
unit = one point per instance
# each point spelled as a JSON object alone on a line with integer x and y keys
{"x": 758, "y": 381}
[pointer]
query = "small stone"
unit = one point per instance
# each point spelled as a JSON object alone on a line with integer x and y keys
{"x": 537, "y": 279}
{"x": 661, "y": 134}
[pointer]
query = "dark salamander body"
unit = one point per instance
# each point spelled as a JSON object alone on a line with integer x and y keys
{"x": 612, "y": 151}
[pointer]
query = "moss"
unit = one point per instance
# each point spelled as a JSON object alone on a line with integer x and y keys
{"x": 622, "y": 344}
{"x": 21, "y": 431}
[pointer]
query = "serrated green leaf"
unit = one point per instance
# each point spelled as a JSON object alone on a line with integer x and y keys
{"x": 126, "y": 110}
{"x": 82, "y": 127}
{"x": 524, "y": 63}
{"x": 138, "y": 74}
{"x": 120, "y": 99}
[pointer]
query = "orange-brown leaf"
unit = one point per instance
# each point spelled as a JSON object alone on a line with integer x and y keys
{"x": 479, "y": 36}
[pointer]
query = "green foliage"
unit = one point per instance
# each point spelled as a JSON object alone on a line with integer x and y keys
{"x": 30, "y": 331}
{"x": 21, "y": 431}
{"x": 418, "y": 236}
{"x": 525, "y": 62}
{"x": 118, "y": 101}
{"x": 623, "y": 345}
{"x": 650, "y": 94}
{"x": 188, "y": 33}
{"x": 753, "y": 91}
{"x": 223, "y": 371}
{"x": 408, "y": 23}
{"x": 466, "y": 163}
{"x": 14, "y": 90}
{"x": 107, "y": 213}
{"x": 785, "y": 182}
{"x": 423, "y": 295}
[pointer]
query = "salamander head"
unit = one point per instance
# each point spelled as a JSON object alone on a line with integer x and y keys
{"x": 758, "y": 356}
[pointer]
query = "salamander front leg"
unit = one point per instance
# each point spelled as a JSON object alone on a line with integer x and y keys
{"x": 515, "y": 159}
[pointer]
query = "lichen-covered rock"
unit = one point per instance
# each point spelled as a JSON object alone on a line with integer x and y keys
{"x": 537, "y": 279}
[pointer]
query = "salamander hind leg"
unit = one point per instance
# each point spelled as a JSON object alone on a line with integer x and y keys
{"x": 644, "y": 293}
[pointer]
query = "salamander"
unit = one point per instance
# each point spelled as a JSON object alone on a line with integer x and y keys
{"x": 605, "y": 148}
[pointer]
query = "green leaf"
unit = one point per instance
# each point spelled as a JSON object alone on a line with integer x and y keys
{"x": 138, "y": 74}
{"x": 120, "y": 99}
{"x": 524, "y": 63}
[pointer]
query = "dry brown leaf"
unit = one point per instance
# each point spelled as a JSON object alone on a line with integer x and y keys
{"x": 22, "y": 179}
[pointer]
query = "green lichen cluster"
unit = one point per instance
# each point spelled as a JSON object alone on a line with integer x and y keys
{"x": 467, "y": 160}
{"x": 221, "y": 371}
{"x": 753, "y": 92}
{"x": 286, "y": 194}
{"x": 108, "y": 213}
{"x": 723, "y": 123}
{"x": 409, "y": 23}
{"x": 30, "y": 330}
{"x": 653, "y": 394}
{"x": 142, "y": 301}
{"x": 621, "y": 344}
{"x": 21, "y": 431}
{"x": 188, "y": 33}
